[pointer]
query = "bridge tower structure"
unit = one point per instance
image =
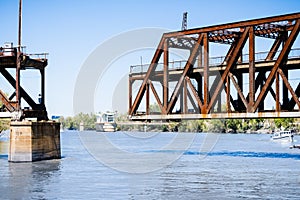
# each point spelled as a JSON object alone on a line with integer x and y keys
{"x": 32, "y": 136}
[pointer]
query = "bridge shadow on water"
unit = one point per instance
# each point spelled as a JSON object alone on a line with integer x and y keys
{"x": 3, "y": 156}
{"x": 247, "y": 154}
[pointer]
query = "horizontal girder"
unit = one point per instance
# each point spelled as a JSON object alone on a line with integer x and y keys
{"x": 142, "y": 117}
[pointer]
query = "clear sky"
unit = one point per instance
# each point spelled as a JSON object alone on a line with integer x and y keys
{"x": 70, "y": 30}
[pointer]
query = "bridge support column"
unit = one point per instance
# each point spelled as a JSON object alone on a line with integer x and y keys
{"x": 34, "y": 141}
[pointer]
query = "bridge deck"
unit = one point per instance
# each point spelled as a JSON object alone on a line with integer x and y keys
{"x": 26, "y": 63}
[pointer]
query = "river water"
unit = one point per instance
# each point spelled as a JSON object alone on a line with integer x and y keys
{"x": 157, "y": 166}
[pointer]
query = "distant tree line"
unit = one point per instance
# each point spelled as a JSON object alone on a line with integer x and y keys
{"x": 4, "y": 123}
{"x": 73, "y": 123}
{"x": 213, "y": 125}
{"x": 216, "y": 125}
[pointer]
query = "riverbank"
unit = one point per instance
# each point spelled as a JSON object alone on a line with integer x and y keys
{"x": 250, "y": 126}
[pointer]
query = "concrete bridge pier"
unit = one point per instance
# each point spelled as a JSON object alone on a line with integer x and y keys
{"x": 34, "y": 141}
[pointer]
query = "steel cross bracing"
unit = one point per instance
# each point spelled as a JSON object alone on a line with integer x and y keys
{"x": 12, "y": 58}
{"x": 199, "y": 83}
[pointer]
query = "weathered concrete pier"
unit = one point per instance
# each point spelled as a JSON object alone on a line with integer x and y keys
{"x": 34, "y": 141}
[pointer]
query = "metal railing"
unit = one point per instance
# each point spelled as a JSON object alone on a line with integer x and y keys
{"x": 12, "y": 51}
{"x": 213, "y": 61}
{"x": 39, "y": 56}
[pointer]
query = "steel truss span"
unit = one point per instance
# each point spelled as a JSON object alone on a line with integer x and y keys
{"x": 241, "y": 83}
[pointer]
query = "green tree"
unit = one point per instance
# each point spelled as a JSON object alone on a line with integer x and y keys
{"x": 88, "y": 121}
{"x": 4, "y": 124}
{"x": 215, "y": 126}
{"x": 68, "y": 123}
{"x": 154, "y": 108}
{"x": 255, "y": 124}
{"x": 284, "y": 123}
{"x": 233, "y": 125}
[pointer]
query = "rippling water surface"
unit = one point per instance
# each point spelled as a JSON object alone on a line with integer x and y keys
{"x": 239, "y": 166}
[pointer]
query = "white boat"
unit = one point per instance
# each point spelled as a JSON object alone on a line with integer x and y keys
{"x": 106, "y": 122}
{"x": 283, "y": 135}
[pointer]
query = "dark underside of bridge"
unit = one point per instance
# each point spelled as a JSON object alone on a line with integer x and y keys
{"x": 235, "y": 86}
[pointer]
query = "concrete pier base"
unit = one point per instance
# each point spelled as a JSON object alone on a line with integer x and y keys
{"x": 33, "y": 141}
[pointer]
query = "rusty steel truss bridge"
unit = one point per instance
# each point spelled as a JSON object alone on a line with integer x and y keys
{"x": 203, "y": 86}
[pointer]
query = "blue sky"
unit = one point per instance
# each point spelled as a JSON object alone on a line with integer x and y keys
{"x": 69, "y": 30}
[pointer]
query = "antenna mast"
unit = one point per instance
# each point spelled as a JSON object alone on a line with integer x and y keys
{"x": 184, "y": 21}
{"x": 20, "y": 26}
{"x": 18, "y": 56}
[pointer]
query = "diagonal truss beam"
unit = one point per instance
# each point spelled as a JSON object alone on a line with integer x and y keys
{"x": 192, "y": 101}
{"x": 194, "y": 92}
{"x": 26, "y": 97}
{"x": 291, "y": 104}
{"x": 152, "y": 67}
{"x": 274, "y": 49}
{"x": 236, "y": 85}
{"x": 231, "y": 62}
{"x": 286, "y": 82}
{"x": 281, "y": 59}
{"x": 7, "y": 103}
{"x": 187, "y": 67}
{"x": 271, "y": 90}
{"x": 157, "y": 97}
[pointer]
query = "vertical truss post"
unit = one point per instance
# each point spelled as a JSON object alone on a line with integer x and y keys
{"x": 219, "y": 103}
{"x": 42, "y": 71}
{"x": 166, "y": 75}
{"x": 251, "y": 69}
{"x": 228, "y": 94}
{"x": 18, "y": 71}
{"x": 130, "y": 93}
{"x": 277, "y": 101}
{"x": 239, "y": 77}
{"x": 147, "y": 99}
{"x": 261, "y": 105}
{"x": 199, "y": 86}
{"x": 285, "y": 92}
{"x": 205, "y": 73}
{"x": 182, "y": 99}
{"x": 185, "y": 98}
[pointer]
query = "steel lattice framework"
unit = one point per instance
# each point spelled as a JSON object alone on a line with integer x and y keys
{"x": 200, "y": 84}
{"x": 11, "y": 58}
